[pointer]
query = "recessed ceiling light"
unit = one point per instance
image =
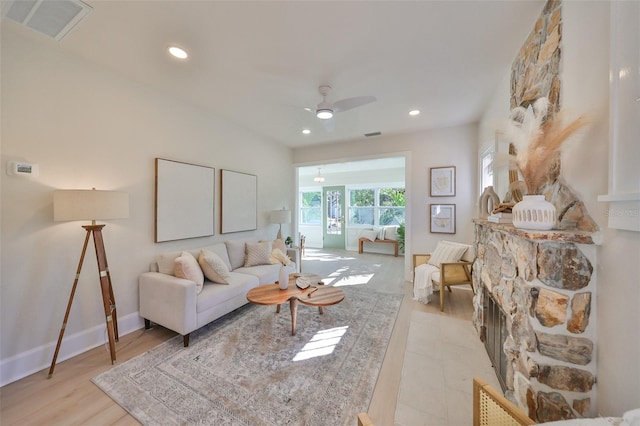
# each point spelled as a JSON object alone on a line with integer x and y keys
{"x": 178, "y": 52}
{"x": 414, "y": 112}
{"x": 306, "y": 131}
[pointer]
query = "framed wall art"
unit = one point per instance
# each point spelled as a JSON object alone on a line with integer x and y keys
{"x": 178, "y": 185}
{"x": 442, "y": 181}
{"x": 443, "y": 219}
{"x": 239, "y": 202}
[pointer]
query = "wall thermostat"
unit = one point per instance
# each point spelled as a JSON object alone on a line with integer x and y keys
{"x": 21, "y": 168}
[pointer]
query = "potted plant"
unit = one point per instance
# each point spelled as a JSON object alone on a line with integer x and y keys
{"x": 288, "y": 241}
{"x": 401, "y": 237}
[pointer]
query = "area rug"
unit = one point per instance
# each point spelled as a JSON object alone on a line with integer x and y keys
{"x": 247, "y": 369}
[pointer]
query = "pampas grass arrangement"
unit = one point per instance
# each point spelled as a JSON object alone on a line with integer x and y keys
{"x": 537, "y": 139}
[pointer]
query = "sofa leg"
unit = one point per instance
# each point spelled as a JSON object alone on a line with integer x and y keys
{"x": 185, "y": 339}
{"x": 147, "y": 324}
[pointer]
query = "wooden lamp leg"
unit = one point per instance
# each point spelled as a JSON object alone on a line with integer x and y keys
{"x": 108, "y": 299}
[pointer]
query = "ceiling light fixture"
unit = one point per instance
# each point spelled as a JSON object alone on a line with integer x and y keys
{"x": 318, "y": 178}
{"x": 306, "y": 131}
{"x": 324, "y": 113}
{"x": 178, "y": 52}
{"x": 414, "y": 112}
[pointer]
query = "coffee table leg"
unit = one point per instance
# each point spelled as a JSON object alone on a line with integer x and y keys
{"x": 320, "y": 310}
{"x": 278, "y": 309}
{"x": 293, "y": 305}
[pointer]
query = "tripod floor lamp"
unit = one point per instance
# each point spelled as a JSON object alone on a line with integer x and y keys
{"x": 91, "y": 205}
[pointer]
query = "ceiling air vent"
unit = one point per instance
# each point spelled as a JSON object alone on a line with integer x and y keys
{"x": 53, "y": 18}
{"x": 373, "y": 134}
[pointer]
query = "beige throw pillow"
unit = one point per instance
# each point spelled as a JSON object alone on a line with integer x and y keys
{"x": 369, "y": 234}
{"x": 447, "y": 252}
{"x": 258, "y": 254}
{"x": 213, "y": 267}
{"x": 186, "y": 266}
{"x": 280, "y": 245}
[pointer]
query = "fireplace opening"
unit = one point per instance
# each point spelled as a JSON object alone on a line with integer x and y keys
{"x": 495, "y": 327}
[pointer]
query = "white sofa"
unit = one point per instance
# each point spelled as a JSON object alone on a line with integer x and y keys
{"x": 179, "y": 304}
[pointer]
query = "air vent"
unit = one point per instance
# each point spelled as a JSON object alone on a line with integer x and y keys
{"x": 373, "y": 134}
{"x": 53, "y": 18}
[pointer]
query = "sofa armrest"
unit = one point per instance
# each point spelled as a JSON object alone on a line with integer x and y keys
{"x": 169, "y": 301}
{"x": 294, "y": 255}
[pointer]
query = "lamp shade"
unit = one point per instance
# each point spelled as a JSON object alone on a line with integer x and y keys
{"x": 280, "y": 216}
{"x": 90, "y": 205}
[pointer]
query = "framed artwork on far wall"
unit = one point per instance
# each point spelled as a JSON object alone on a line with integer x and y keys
{"x": 443, "y": 219}
{"x": 442, "y": 181}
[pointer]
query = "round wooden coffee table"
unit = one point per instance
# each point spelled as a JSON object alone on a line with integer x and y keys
{"x": 316, "y": 295}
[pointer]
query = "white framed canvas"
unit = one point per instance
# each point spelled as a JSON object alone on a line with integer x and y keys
{"x": 239, "y": 202}
{"x": 443, "y": 219}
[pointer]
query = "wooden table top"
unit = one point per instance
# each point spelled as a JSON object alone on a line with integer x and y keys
{"x": 270, "y": 294}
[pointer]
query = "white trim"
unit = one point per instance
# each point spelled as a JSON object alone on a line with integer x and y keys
{"x": 39, "y": 358}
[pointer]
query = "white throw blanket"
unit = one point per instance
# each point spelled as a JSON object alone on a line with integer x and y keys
{"x": 422, "y": 283}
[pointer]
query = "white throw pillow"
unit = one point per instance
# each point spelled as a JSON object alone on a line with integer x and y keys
{"x": 186, "y": 266}
{"x": 447, "y": 252}
{"x": 391, "y": 233}
{"x": 213, "y": 267}
{"x": 369, "y": 234}
{"x": 381, "y": 233}
{"x": 258, "y": 254}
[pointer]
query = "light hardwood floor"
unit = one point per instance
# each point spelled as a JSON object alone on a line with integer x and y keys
{"x": 69, "y": 398}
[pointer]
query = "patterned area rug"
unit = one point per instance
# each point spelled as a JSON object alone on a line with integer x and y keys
{"x": 247, "y": 369}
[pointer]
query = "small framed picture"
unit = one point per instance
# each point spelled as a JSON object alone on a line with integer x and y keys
{"x": 443, "y": 219}
{"x": 443, "y": 181}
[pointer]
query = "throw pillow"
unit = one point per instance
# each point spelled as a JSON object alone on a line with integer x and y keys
{"x": 213, "y": 267}
{"x": 280, "y": 245}
{"x": 391, "y": 233}
{"x": 381, "y": 233}
{"x": 369, "y": 234}
{"x": 447, "y": 252}
{"x": 186, "y": 266}
{"x": 258, "y": 254}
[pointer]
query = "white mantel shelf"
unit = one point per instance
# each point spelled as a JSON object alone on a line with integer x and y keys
{"x": 563, "y": 236}
{"x": 624, "y": 210}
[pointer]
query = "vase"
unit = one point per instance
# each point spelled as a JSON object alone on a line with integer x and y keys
{"x": 283, "y": 278}
{"x": 534, "y": 212}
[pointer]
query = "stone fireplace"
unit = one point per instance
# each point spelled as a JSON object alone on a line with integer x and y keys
{"x": 542, "y": 283}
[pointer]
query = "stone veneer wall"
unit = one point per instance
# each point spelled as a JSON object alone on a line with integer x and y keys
{"x": 543, "y": 282}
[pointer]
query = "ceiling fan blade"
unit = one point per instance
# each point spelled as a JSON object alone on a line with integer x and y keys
{"x": 350, "y": 103}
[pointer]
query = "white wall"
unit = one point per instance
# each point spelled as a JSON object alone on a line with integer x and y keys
{"x": 86, "y": 127}
{"x": 585, "y": 89}
{"x": 455, "y": 146}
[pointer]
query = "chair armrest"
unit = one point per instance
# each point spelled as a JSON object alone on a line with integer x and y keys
{"x": 455, "y": 272}
{"x": 169, "y": 301}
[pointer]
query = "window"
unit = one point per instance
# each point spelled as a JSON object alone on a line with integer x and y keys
{"x": 376, "y": 206}
{"x": 391, "y": 210}
{"x": 310, "y": 208}
{"x": 486, "y": 168}
{"x": 361, "y": 206}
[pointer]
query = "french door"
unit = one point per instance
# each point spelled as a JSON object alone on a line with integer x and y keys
{"x": 333, "y": 217}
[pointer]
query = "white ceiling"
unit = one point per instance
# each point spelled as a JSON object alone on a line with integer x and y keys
{"x": 259, "y": 63}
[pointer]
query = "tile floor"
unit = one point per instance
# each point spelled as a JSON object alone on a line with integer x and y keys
{"x": 442, "y": 356}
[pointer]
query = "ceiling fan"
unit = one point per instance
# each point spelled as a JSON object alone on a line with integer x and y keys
{"x": 325, "y": 110}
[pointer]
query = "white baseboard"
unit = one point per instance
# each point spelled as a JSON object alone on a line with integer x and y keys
{"x": 36, "y": 359}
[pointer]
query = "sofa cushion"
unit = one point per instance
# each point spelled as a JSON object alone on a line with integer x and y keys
{"x": 257, "y": 254}
{"x": 166, "y": 262}
{"x": 236, "y": 252}
{"x": 266, "y": 274}
{"x": 447, "y": 252}
{"x": 186, "y": 266}
{"x": 213, "y": 295}
{"x": 213, "y": 267}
